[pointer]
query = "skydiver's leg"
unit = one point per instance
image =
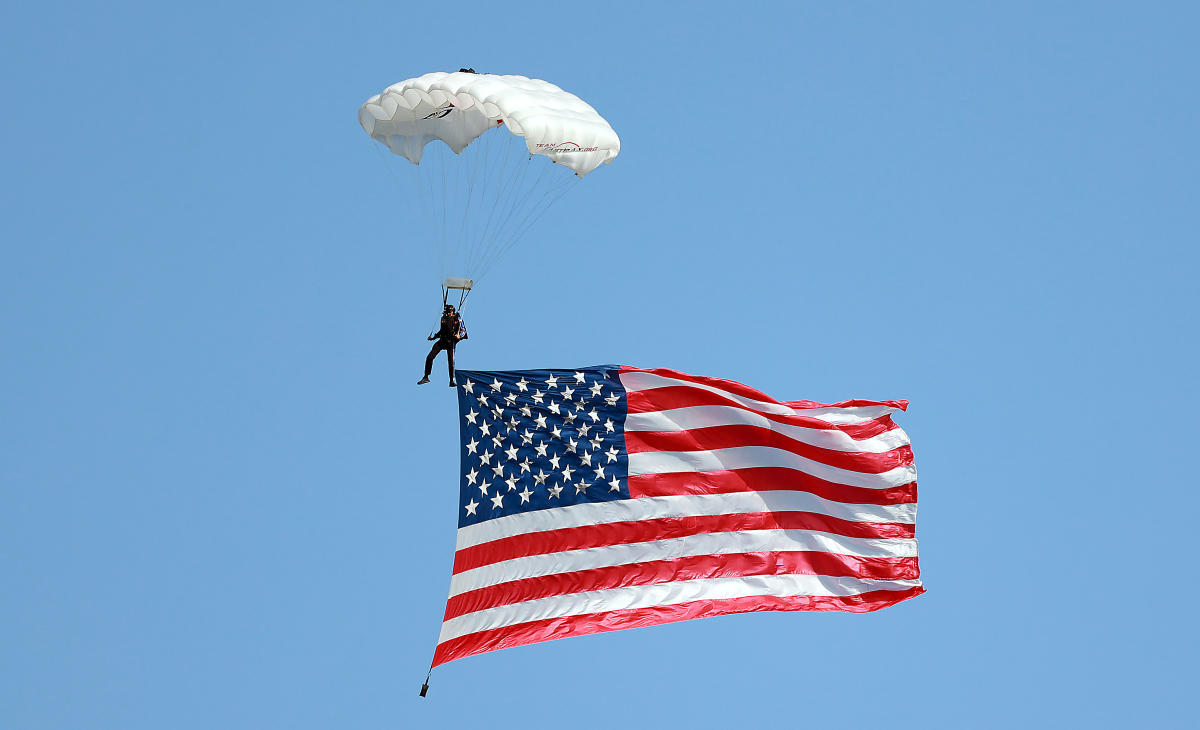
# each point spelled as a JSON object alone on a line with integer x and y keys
{"x": 450, "y": 362}
{"x": 437, "y": 346}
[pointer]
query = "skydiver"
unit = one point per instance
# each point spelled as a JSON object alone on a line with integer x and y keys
{"x": 451, "y": 332}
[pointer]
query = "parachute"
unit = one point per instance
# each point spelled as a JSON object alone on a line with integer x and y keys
{"x": 481, "y": 191}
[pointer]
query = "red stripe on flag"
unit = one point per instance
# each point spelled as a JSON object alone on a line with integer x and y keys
{"x": 665, "y": 528}
{"x": 682, "y": 396}
{"x": 727, "y": 437}
{"x": 764, "y": 479}
{"x": 558, "y": 628}
{"x": 689, "y": 568}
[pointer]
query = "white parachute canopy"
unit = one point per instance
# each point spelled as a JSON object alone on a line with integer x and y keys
{"x": 484, "y": 189}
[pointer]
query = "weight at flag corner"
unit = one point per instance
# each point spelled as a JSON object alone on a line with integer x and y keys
{"x": 612, "y": 497}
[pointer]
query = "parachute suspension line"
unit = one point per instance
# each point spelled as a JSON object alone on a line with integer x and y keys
{"x": 463, "y": 230}
{"x": 555, "y": 194}
{"x": 383, "y": 161}
{"x": 445, "y": 200}
{"x": 529, "y": 201}
{"x": 551, "y": 190}
{"x": 462, "y": 192}
{"x": 503, "y": 178}
{"x": 482, "y": 208}
{"x": 430, "y": 203}
{"x": 447, "y": 205}
{"x": 512, "y": 206}
{"x": 454, "y": 190}
{"x": 483, "y": 167}
{"x": 550, "y": 198}
{"x": 521, "y": 195}
{"x": 468, "y": 168}
{"x": 423, "y": 202}
{"x": 411, "y": 179}
{"x": 453, "y": 165}
{"x": 519, "y": 202}
{"x": 491, "y": 166}
{"x": 488, "y": 168}
{"x": 447, "y": 197}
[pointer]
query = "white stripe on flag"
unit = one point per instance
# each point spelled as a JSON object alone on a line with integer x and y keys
{"x": 709, "y": 543}
{"x": 660, "y": 594}
{"x": 746, "y": 457}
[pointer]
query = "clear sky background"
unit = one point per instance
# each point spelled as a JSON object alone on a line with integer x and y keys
{"x": 224, "y": 503}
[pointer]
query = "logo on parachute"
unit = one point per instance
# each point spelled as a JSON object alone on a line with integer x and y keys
{"x": 440, "y": 112}
{"x": 563, "y": 147}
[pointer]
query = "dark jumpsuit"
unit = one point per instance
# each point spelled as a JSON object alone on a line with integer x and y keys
{"x": 447, "y": 338}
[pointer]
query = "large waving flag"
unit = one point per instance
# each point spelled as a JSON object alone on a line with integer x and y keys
{"x": 614, "y": 497}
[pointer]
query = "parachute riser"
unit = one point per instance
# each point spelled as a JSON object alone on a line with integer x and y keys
{"x": 463, "y": 286}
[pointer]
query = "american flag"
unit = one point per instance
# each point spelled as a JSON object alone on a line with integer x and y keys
{"x": 615, "y": 497}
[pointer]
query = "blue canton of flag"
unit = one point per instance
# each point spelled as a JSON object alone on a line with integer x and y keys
{"x": 539, "y": 439}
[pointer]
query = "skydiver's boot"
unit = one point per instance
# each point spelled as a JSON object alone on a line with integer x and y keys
{"x": 423, "y": 380}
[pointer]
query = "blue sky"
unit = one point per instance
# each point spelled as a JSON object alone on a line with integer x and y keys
{"x": 223, "y": 502}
